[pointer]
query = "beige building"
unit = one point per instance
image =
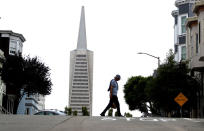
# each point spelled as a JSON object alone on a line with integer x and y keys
{"x": 195, "y": 51}
{"x": 81, "y": 73}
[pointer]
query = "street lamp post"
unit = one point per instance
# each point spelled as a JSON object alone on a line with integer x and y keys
{"x": 151, "y": 56}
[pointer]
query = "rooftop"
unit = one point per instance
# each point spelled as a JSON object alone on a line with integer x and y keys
{"x": 180, "y": 2}
{"x": 174, "y": 13}
{"x": 13, "y": 34}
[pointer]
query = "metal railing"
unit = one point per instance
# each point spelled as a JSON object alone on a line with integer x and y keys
{"x": 4, "y": 111}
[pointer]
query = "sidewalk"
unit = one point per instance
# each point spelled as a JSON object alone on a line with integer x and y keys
{"x": 29, "y": 122}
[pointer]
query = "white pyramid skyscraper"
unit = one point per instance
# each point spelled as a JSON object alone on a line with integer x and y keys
{"x": 81, "y": 72}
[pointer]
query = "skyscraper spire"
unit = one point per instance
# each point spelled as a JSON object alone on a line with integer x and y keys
{"x": 81, "y": 44}
{"x": 81, "y": 73}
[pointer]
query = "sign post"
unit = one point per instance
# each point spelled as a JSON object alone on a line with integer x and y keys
{"x": 181, "y": 100}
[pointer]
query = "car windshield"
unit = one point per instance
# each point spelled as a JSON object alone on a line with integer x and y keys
{"x": 39, "y": 113}
{"x": 51, "y": 113}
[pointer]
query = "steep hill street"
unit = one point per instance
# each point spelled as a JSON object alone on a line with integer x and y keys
{"x": 65, "y": 123}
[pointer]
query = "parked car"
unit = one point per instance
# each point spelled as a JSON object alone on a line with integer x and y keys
{"x": 50, "y": 112}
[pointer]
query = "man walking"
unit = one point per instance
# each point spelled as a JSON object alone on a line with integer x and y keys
{"x": 113, "y": 88}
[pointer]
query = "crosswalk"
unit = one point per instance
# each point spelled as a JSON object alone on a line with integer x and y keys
{"x": 193, "y": 120}
{"x": 148, "y": 119}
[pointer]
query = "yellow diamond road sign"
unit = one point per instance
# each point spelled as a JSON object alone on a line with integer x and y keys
{"x": 181, "y": 99}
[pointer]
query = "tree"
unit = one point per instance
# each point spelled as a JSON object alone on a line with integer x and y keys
{"x": 173, "y": 78}
{"x": 37, "y": 77}
{"x": 135, "y": 93}
{"x": 110, "y": 112}
{"x": 25, "y": 76}
{"x": 116, "y": 113}
{"x": 157, "y": 93}
{"x": 85, "y": 111}
{"x": 75, "y": 113}
{"x": 12, "y": 74}
{"x": 127, "y": 114}
{"x": 68, "y": 111}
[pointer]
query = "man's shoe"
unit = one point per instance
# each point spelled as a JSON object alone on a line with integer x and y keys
{"x": 102, "y": 114}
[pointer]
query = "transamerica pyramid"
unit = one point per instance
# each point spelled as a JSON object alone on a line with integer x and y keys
{"x": 81, "y": 72}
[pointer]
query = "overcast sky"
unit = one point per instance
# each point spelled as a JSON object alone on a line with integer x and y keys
{"x": 116, "y": 31}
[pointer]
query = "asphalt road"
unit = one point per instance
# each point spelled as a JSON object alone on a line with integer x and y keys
{"x": 67, "y": 123}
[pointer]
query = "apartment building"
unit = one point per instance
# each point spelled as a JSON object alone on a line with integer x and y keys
{"x": 195, "y": 51}
{"x": 11, "y": 43}
{"x": 31, "y": 104}
{"x": 184, "y": 10}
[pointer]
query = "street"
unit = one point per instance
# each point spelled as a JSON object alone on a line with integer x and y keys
{"x": 69, "y": 123}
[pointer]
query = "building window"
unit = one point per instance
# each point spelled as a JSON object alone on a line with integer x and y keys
{"x": 12, "y": 47}
{"x": 183, "y": 24}
{"x": 80, "y": 76}
{"x": 79, "y": 91}
{"x": 81, "y": 62}
{"x": 79, "y": 101}
{"x": 81, "y": 56}
{"x": 79, "y": 105}
{"x": 199, "y": 33}
{"x": 80, "y": 59}
{"x": 202, "y": 84}
{"x": 80, "y": 98}
{"x": 80, "y": 69}
{"x": 196, "y": 43}
{"x": 79, "y": 66}
{"x": 80, "y": 83}
{"x": 79, "y": 94}
{"x": 27, "y": 111}
{"x": 80, "y": 79}
{"x": 80, "y": 73}
{"x": 183, "y": 52}
{"x": 191, "y": 45}
{"x": 176, "y": 48}
{"x": 80, "y": 87}
{"x": 12, "y": 52}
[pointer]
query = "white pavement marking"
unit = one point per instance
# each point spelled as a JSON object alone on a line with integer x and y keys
{"x": 166, "y": 120}
{"x": 193, "y": 120}
{"x": 141, "y": 119}
{"x": 148, "y": 119}
{"x": 129, "y": 119}
{"x": 108, "y": 118}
